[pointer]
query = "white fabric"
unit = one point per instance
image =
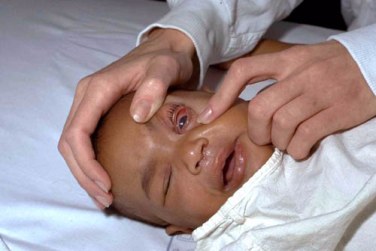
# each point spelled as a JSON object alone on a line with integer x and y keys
{"x": 361, "y": 43}
{"x": 307, "y": 205}
{"x": 46, "y": 47}
{"x": 358, "y": 13}
{"x": 221, "y": 30}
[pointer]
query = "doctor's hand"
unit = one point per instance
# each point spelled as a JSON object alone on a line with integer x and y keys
{"x": 319, "y": 90}
{"x": 164, "y": 59}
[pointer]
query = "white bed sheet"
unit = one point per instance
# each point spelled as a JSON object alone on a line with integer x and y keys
{"x": 46, "y": 46}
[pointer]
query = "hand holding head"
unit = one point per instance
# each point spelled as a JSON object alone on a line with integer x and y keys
{"x": 163, "y": 60}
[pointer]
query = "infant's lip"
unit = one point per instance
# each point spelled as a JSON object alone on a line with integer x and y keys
{"x": 234, "y": 168}
{"x": 215, "y": 161}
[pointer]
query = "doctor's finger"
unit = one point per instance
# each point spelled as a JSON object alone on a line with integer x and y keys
{"x": 313, "y": 130}
{"x": 243, "y": 71}
{"x": 84, "y": 157}
{"x": 264, "y": 106}
{"x": 95, "y": 189}
{"x": 96, "y": 101}
{"x": 287, "y": 119}
{"x": 78, "y": 96}
{"x": 162, "y": 73}
{"x": 99, "y": 96}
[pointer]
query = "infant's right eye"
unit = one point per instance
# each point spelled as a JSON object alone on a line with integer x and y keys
{"x": 181, "y": 119}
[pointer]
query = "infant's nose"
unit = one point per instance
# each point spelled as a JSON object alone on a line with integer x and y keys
{"x": 192, "y": 154}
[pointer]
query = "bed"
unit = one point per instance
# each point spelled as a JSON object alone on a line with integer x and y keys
{"x": 46, "y": 47}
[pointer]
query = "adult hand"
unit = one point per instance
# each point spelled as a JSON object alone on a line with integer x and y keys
{"x": 165, "y": 58}
{"x": 319, "y": 90}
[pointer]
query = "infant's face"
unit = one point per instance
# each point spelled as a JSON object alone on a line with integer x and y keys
{"x": 173, "y": 171}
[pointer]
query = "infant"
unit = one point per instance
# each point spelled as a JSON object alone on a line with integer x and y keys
{"x": 234, "y": 195}
{"x": 173, "y": 171}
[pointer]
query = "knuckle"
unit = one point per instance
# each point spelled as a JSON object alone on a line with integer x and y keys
{"x": 305, "y": 131}
{"x": 99, "y": 79}
{"x": 239, "y": 67}
{"x": 283, "y": 121}
{"x": 101, "y": 84}
{"x": 69, "y": 138}
{"x": 293, "y": 56}
{"x": 167, "y": 60}
{"x": 257, "y": 111}
{"x": 154, "y": 85}
{"x": 315, "y": 70}
{"x": 303, "y": 140}
{"x": 297, "y": 153}
{"x": 82, "y": 85}
{"x": 61, "y": 146}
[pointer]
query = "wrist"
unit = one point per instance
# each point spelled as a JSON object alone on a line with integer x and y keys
{"x": 171, "y": 39}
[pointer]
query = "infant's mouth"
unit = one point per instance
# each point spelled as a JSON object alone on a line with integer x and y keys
{"x": 228, "y": 169}
{"x": 234, "y": 168}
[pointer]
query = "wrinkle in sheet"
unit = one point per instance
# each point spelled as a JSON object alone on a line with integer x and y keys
{"x": 3, "y": 245}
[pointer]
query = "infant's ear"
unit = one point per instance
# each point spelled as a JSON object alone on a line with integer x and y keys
{"x": 173, "y": 230}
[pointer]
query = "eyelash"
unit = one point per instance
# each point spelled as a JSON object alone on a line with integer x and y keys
{"x": 171, "y": 111}
{"x": 166, "y": 189}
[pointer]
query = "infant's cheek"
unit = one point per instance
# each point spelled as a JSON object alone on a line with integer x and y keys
{"x": 235, "y": 120}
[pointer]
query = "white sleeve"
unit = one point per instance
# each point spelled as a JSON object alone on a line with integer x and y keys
{"x": 362, "y": 46}
{"x": 358, "y": 13}
{"x": 222, "y": 29}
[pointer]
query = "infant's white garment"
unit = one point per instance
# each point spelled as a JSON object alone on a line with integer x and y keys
{"x": 326, "y": 202}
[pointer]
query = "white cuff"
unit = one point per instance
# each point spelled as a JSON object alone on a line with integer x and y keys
{"x": 361, "y": 44}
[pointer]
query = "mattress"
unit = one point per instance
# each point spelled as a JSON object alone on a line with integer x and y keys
{"x": 46, "y": 47}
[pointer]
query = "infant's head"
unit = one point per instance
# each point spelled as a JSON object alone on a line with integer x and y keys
{"x": 173, "y": 171}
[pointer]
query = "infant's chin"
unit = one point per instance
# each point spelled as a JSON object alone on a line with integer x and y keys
{"x": 202, "y": 221}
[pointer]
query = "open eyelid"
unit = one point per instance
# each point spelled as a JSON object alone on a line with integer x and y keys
{"x": 177, "y": 112}
{"x": 182, "y": 114}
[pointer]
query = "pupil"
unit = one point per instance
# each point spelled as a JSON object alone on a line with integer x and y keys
{"x": 182, "y": 121}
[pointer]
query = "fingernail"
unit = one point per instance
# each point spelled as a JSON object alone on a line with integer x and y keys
{"x": 102, "y": 200}
{"x": 205, "y": 115}
{"x": 100, "y": 206}
{"x": 101, "y": 185}
{"x": 141, "y": 111}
